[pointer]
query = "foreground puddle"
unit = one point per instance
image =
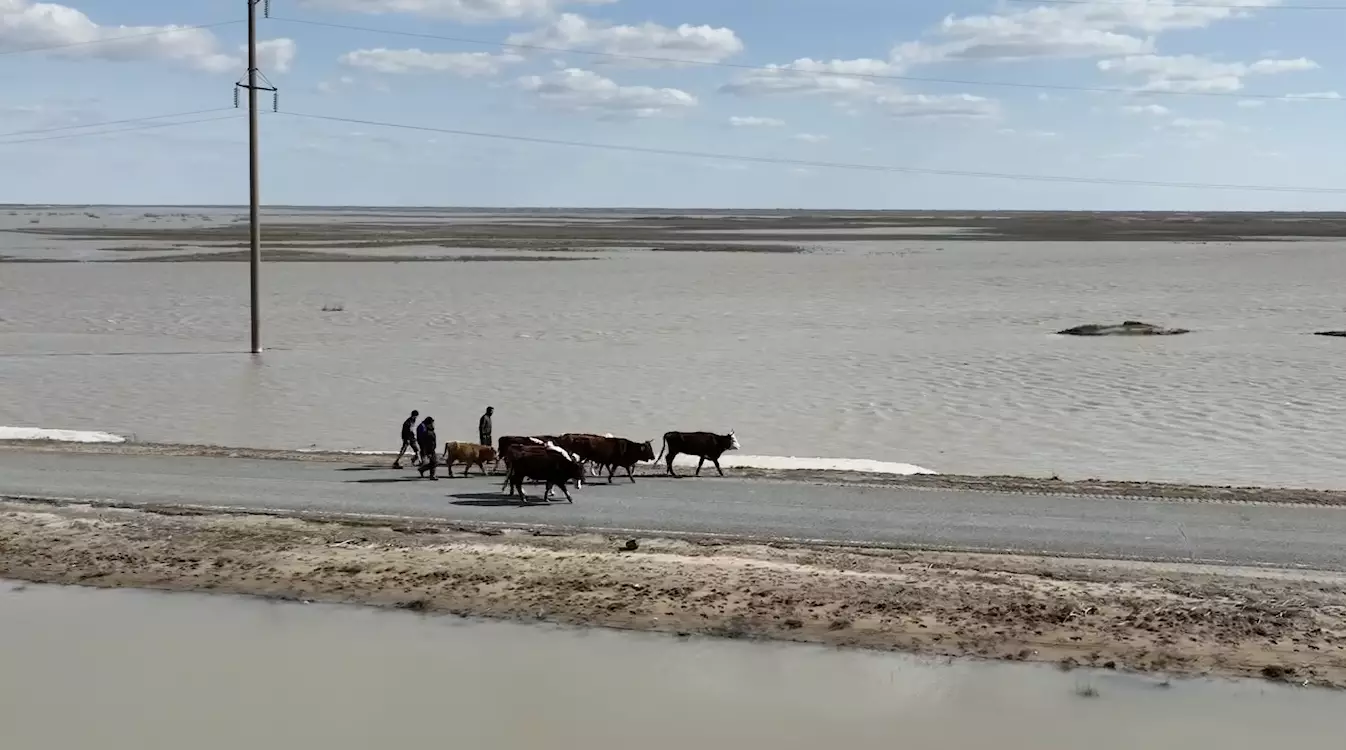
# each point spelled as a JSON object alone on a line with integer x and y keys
{"x": 120, "y": 669}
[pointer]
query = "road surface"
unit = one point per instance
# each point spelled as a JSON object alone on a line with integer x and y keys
{"x": 1121, "y": 528}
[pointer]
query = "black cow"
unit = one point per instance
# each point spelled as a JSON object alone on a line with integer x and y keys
{"x": 703, "y": 445}
{"x": 508, "y": 441}
{"x": 551, "y": 465}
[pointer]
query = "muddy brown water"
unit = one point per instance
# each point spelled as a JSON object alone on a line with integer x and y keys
{"x": 120, "y": 669}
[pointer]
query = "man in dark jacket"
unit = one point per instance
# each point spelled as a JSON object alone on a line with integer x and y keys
{"x": 408, "y": 441}
{"x": 484, "y": 427}
{"x": 429, "y": 445}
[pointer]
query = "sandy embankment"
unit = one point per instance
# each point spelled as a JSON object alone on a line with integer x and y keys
{"x": 1171, "y": 619}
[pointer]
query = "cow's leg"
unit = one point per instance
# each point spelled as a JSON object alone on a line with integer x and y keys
{"x": 671, "y": 454}
{"x": 717, "y": 466}
{"x": 629, "y": 475}
{"x": 701, "y": 461}
{"x": 448, "y": 467}
{"x": 565, "y": 491}
{"x": 611, "y": 471}
{"x": 546, "y": 495}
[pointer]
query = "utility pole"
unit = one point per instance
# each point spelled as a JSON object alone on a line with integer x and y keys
{"x": 254, "y": 185}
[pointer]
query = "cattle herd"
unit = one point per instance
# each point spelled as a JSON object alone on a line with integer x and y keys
{"x": 558, "y": 460}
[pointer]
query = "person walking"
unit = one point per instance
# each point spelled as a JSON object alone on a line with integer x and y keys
{"x": 484, "y": 427}
{"x": 408, "y": 441}
{"x": 428, "y": 443}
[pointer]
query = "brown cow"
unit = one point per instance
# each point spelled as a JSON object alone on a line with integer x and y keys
{"x": 703, "y": 445}
{"x": 552, "y": 465}
{"x": 468, "y": 454}
{"x": 606, "y": 451}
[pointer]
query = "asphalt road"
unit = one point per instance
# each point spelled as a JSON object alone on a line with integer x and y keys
{"x": 1294, "y": 536}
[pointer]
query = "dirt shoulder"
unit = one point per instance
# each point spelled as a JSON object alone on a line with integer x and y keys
{"x": 1001, "y": 484}
{"x": 1173, "y": 619}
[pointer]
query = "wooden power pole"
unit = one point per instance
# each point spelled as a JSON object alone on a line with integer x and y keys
{"x": 254, "y": 185}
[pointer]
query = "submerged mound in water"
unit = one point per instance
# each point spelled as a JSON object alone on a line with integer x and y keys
{"x": 1128, "y": 328}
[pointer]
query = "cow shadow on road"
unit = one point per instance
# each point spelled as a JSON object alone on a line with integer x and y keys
{"x": 386, "y": 480}
{"x": 497, "y": 500}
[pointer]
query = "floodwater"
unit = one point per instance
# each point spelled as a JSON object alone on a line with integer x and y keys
{"x": 938, "y": 354}
{"x": 135, "y": 670}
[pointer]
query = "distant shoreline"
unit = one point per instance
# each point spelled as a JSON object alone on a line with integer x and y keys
{"x": 594, "y": 229}
{"x": 1141, "y": 490}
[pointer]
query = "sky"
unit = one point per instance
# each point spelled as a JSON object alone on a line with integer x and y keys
{"x": 824, "y": 104}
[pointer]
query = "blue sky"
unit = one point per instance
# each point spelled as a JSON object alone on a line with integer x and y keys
{"x": 103, "y": 60}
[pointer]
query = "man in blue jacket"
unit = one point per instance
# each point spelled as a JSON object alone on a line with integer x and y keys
{"x": 427, "y": 441}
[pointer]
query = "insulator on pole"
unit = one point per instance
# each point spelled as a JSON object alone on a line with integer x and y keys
{"x": 266, "y": 9}
{"x": 275, "y": 101}
{"x": 235, "y": 96}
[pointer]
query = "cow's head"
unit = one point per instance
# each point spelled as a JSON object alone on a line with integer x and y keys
{"x": 733, "y": 441}
{"x": 646, "y": 451}
{"x": 576, "y": 473}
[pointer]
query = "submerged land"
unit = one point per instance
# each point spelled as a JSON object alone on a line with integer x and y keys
{"x": 349, "y": 234}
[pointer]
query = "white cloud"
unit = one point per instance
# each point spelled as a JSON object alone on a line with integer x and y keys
{"x": 25, "y": 24}
{"x": 1028, "y": 133}
{"x": 584, "y": 90}
{"x": 848, "y": 81}
{"x": 685, "y": 42}
{"x": 1145, "y": 109}
{"x": 1192, "y": 73}
{"x": 1189, "y": 123}
{"x": 1198, "y": 128}
{"x": 942, "y": 106}
{"x": 756, "y": 122}
{"x": 1087, "y": 30}
{"x": 807, "y": 77}
{"x": 335, "y": 85}
{"x": 1311, "y": 96}
{"x": 275, "y": 55}
{"x": 809, "y": 137}
{"x": 470, "y": 11}
{"x": 1252, "y": 103}
{"x": 463, "y": 64}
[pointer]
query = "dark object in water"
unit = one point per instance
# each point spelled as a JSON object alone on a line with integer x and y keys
{"x": 1127, "y": 328}
{"x": 1341, "y": 334}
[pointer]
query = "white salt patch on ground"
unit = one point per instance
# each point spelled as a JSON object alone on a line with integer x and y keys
{"x": 65, "y": 436}
{"x": 785, "y": 463}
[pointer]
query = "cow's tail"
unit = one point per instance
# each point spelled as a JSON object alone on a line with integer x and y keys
{"x": 662, "y": 447}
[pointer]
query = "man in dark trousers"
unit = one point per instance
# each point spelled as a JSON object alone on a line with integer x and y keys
{"x": 484, "y": 427}
{"x": 408, "y": 441}
{"x": 429, "y": 445}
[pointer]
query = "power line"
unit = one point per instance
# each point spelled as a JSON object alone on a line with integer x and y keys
{"x": 783, "y": 70}
{"x": 829, "y": 164}
{"x": 109, "y": 40}
{"x": 121, "y": 130}
{"x": 1212, "y": 6}
{"x": 36, "y": 131}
